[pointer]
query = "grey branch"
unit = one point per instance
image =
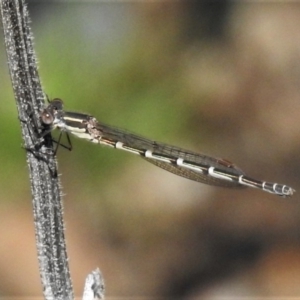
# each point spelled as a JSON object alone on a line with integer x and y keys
{"x": 45, "y": 187}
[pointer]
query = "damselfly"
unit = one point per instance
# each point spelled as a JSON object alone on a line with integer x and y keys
{"x": 188, "y": 164}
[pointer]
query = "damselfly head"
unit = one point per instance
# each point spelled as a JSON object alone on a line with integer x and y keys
{"x": 50, "y": 112}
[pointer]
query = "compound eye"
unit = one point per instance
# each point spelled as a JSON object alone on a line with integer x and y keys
{"x": 47, "y": 118}
{"x": 57, "y": 104}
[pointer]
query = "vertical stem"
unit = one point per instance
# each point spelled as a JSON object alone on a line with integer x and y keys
{"x": 45, "y": 186}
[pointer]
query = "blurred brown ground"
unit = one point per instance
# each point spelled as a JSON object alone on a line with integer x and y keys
{"x": 153, "y": 234}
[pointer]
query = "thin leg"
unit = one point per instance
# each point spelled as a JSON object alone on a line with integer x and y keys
{"x": 58, "y": 143}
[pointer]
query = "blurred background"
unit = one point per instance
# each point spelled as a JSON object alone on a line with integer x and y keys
{"x": 221, "y": 78}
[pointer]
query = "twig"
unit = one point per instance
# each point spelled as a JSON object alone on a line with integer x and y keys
{"x": 45, "y": 188}
{"x": 94, "y": 286}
